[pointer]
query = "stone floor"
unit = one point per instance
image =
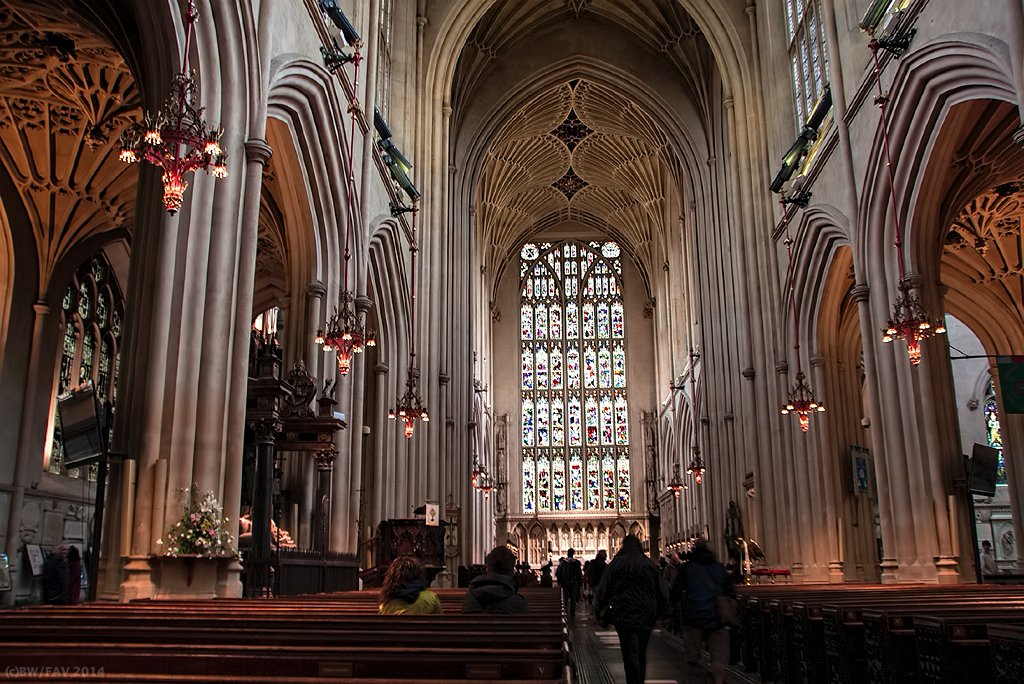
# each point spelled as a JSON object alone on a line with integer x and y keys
{"x": 601, "y": 661}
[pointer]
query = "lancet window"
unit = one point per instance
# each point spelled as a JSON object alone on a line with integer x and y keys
{"x": 92, "y": 313}
{"x": 993, "y": 434}
{"x": 575, "y": 412}
{"x": 808, "y": 54}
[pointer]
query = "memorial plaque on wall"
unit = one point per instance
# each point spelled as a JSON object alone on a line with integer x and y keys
{"x": 35, "y": 558}
{"x": 5, "y": 573}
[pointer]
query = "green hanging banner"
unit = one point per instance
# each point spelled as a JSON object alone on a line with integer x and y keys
{"x": 1011, "y": 382}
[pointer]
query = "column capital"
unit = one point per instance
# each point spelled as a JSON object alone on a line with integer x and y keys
{"x": 316, "y": 289}
{"x": 817, "y": 360}
{"x": 782, "y": 367}
{"x": 325, "y": 459}
{"x": 41, "y": 308}
{"x": 860, "y": 293}
{"x": 748, "y": 373}
{"x": 916, "y": 280}
{"x": 257, "y": 150}
{"x": 265, "y": 429}
{"x": 381, "y": 369}
{"x": 363, "y": 304}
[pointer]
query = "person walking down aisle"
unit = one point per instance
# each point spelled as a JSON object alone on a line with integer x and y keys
{"x": 632, "y": 592}
{"x": 697, "y": 587}
{"x": 404, "y": 590}
{"x": 496, "y": 591}
{"x": 570, "y": 579}
{"x": 597, "y": 568}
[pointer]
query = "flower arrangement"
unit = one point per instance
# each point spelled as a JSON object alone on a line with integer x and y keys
{"x": 201, "y": 531}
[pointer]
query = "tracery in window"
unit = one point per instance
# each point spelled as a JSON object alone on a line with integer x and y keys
{"x": 808, "y": 54}
{"x": 993, "y": 433}
{"x": 91, "y": 313}
{"x": 383, "y": 95}
{"x": 575, "y": 411}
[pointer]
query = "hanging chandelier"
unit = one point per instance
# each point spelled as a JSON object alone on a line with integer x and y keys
{"x": 345, "y": 334}
{"x": 177, "y": 139}
{"x": 477, "y": 473}
{"x": 410, "y": 407}
{"x": 676, "y": 485}
{"x": 486, "y": 484}
{"x": 801, "y": 401}
{"x": 910, "y": 321}
{"x": 697, "y": 466}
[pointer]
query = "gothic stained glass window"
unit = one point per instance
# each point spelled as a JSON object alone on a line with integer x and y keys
{"x": 993, "y": 432}
{"x": 808, "y": 54}
{"x": 573, "y": 360}
{"x": 91, "y": 315}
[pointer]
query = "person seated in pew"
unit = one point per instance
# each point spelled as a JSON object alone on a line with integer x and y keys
{"x": 404, "y": 590}
{"x": 496, "y": 591}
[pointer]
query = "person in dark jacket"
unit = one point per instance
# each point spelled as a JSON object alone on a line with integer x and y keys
{"x": 597, "y": 567}
{"x": 697, "y": 587}
{"x": 57, "y": 577}
{"x": 570, "y": 579}
{"x": 496, "y": 591}
{"x": 633, "y": 588}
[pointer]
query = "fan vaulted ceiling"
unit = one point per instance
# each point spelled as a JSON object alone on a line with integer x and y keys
{"x": 583, "y": 151}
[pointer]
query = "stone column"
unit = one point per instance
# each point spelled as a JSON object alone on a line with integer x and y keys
{"x": 24, "y": 453}
{"x": 381, "y": 423}
{"x": 829, "y": 477}
{"x": 324, "y": 461}
{"x": 262, "y": 505}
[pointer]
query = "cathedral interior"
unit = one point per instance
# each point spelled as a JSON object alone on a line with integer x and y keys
{"x": 537, "y": 273}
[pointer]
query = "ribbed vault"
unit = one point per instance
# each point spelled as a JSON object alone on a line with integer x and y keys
{"x": 65, "y": 96}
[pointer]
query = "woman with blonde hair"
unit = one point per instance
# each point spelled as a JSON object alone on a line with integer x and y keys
{"x": 404, "y": 590}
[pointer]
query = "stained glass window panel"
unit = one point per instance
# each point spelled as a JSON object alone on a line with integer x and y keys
{"x": 541, "y": 319}
{"x": 543, "y": 425}
{"x": 593, "y": 483}
{"x": 608, "y": 483}
{"x": 558, "y": 483}
{"x": 619, "y": 366}
{"x": 528, "y": 424}
{"x": 604, "y": 327}
{"x": 541, "y": 368}
{"x": 543, "y": 484}
{"x": 590, "y": 368}
{"x": 67, "y": 359}
{"x": 576, "y": 482}
{"x": 621, "y": 421}
{"x": 88, "y": 358}
{"x": 529, "y": 484}
{"x": 572, "y": 322}
{"x": 555, "y": 329}
{"x": 607, "y": 422}
{"x": 623, "y": 484}
{"x": 994, "y": 434}
{"x": 592, "y": 422}
{"x": 84, "y": 300}
{"x": 588, "y": 321}
{"x": 575, "y": 422}
{"x": 604, "y": 367}
{"x": 527, "y": 369}
{"x": 102, "y": 308}
{"x": 556, "y": 369}
{"x": 103, "y": 375}
{"x": 618, "y": 321}
{"x": 572, "y": 365}
{"x": 527, "y": 320}
{"x": 557, "y": 424}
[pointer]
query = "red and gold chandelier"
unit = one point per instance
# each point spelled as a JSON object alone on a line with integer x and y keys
{"x": 801, "y": 401}
{"x": 697, "y": 466}
{"x": 676, "y": 485}
{"x": 345, "y": 335}
{"x": 909, "y": 321}
{"x": 177, "y": 139}
{"x": 410, "y": 407}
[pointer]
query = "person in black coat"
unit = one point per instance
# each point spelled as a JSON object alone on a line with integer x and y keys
{"x": 57, "y": 577}
{"x": 632, "y": 591}
{"x": 496, "y": 591}
{"x": 570, "y": 579}
{"x": 597, "y": 567}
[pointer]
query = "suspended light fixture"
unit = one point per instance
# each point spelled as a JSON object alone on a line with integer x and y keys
{"x": 345, "y": 334}
{"x": 696, "y": 467}
{"x": 910, "y": 321}
{"x": 177, "y": 139}
{"x": 410, "y": 407}
{"x": 801, "y": 402}
{"x": 676, "y": 485}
